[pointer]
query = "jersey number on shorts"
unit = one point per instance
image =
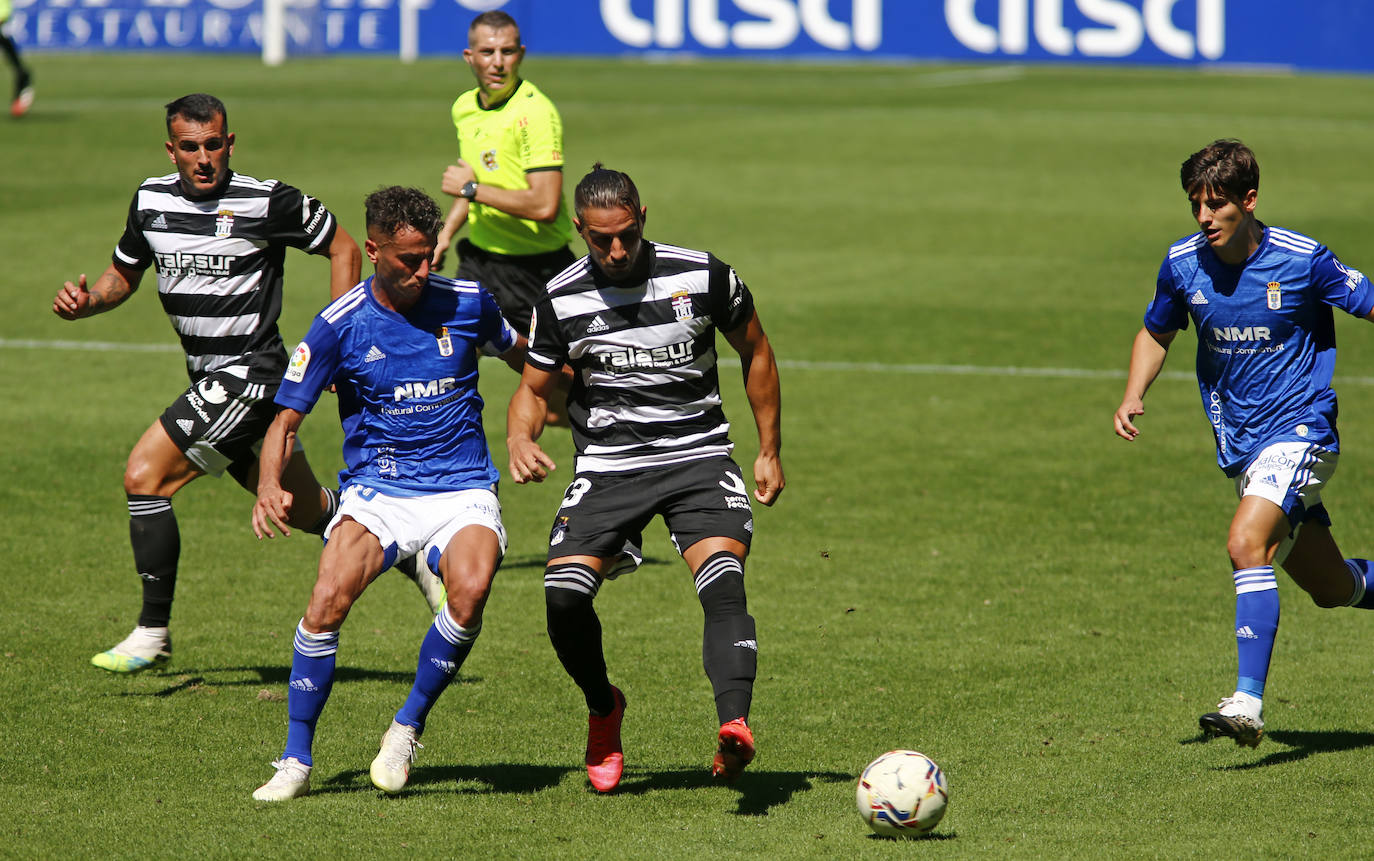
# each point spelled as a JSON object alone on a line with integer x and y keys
{"x": 576, "y": 490}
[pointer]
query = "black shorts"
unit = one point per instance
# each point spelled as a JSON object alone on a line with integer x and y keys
{"x": 219, "y": 421}
{"x": 698, "y": 499}
{"x": 517, "y": 282}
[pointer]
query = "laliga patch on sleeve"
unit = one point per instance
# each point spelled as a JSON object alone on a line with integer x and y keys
{"x": 300, "y": 360}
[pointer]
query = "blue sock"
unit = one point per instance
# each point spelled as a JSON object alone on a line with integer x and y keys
{"x": 1362, "y": 570}
{"x": 442, "y": 652}
{"x": 312, "y": 676}
{"x": 1257, "y": 622}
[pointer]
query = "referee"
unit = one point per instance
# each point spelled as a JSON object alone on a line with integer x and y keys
{"x": 507, "y": 184}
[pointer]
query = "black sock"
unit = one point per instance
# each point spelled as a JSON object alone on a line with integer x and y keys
{"x": 21, "y": 74}
{"x": 575, "y": 631}
{"x": 331, "y": 508}
{"x": 157, "y": 544}
{"x": 729, "y": 648}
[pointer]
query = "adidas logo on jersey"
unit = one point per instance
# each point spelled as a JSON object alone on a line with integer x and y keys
{"x": 186, "y": 426}
{"x": 597, "y": 325}
{"x": 1244, "y": 633}
{"x": 159, "y": 223}
{"x": 373, "y": 355}
{"x": 1197, "y": 299}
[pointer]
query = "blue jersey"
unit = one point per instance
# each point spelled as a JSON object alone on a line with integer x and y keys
{"x": 1266, "y": 340}
{"x": 407, "y": 385}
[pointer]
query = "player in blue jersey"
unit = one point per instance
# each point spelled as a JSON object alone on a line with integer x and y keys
{"x": 1261, "y": 299}
{"x": 401, "y": 348}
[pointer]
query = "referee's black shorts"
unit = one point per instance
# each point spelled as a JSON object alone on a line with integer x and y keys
{"x": 517, "y": 281}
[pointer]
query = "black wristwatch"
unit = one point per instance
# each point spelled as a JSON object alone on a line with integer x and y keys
{"x": 469, "y": 190}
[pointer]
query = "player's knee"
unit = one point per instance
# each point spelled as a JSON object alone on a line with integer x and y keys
{"x": 468, "y": 587}
{"x": 140, "y": 479}
{"x": 1245, "y": 550}
{"x": 329, "y": 605}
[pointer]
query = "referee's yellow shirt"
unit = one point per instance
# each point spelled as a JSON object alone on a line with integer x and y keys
{"x": 503, "y": 143}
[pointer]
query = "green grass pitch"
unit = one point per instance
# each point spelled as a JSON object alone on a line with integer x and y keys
{"x": 951, "y": 262}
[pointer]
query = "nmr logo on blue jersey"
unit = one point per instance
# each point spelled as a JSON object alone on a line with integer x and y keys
{"x": 407, "y": 385}
{"x": 1266, "y": 337}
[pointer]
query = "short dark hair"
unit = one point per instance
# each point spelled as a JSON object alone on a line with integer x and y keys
{"x": 1226, "y": 165}
{"x": 196, "y": 108}
{"x": 496, "y": 20}
{"x": 391, "y": 208}
{"x": 604, "y": 188}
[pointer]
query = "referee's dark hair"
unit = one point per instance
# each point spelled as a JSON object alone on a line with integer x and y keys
{"x": 604, "y": 188}
{"x": 495, "y": 19}
{"x": 393, "y": 207}
{"x": 197, "y": 108}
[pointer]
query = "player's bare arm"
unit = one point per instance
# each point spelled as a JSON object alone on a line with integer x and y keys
{"x": 525, "y": 422}
{"x": 1148, "y": 353}
{"x": 761, "y": 385}
{"x": 115, "y": 284}
{"x": 273, "y": 506}
{"x": 345, "y": 263}
{"x": 539, "y": 202}
{"x": 457, "y": 217}
{"x": 515, "y": 356}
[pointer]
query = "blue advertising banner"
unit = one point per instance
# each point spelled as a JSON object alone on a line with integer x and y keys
{"x": 1314, "y": 34}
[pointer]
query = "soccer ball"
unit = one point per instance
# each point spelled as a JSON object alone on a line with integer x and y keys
{"x": 902, "y": 794}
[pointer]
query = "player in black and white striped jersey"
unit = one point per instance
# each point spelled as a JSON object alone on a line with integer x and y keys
{"x": 637, "y": 322}
{"x": 217, "y": 242}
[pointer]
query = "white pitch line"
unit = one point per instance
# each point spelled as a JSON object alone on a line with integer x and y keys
{"x": 929, "y": 370}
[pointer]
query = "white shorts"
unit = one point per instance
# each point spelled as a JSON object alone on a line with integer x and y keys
{"x": 1291, "y": 475}
{"x": 407, "y": 525}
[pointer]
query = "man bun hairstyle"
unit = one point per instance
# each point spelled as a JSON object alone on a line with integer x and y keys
{"x": 1226, "y": 165}
{"x": 391, "y": 208}
{"x": 196, "y": 108}
{"x": 604, "y": 188}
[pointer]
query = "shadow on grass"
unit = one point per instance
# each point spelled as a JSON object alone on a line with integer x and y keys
{"x": 757, "y": 791}
{"x": 1301, "y": 744}
{"x": 190, "y": 678}
{"x": 930, "y": 835}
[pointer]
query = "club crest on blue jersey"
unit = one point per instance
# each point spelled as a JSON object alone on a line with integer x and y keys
{"x": 1273, "y": 296}
{"x": 224, "y": 222}
{"x": 682, "y": 306}
{"x": 445, "y": 342}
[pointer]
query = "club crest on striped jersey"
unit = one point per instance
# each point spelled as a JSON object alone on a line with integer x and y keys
{"x": 682, "y": 306}
{"x": 1274, "y": 296}
{"x": 445, "y": 341}
{"x": 224, "y": 222}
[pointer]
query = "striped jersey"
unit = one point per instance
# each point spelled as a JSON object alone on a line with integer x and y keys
{"x": 407, "y": 385}
{"x": 645, "y": 391}
{"x": 1266, "y": 337}
{"x": 219, "y": 264}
